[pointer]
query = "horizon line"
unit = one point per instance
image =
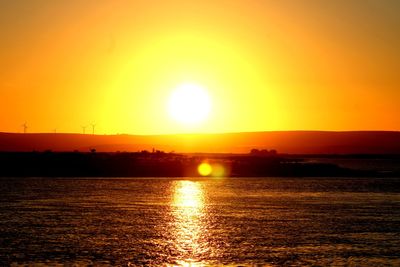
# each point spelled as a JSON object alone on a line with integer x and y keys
{"x": 200, "y": 133}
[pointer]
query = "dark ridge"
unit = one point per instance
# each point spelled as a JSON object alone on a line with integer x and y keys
{"x": 291, "y": 142}
{"x": 160, "y": 164}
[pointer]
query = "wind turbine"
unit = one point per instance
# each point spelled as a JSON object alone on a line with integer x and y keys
{"x": 93, "y": 126}
{"x": 25, "y": 127}
{"x": 84, "y": 129}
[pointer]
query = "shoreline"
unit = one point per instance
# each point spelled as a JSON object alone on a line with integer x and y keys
{"x": 160, "y": 164}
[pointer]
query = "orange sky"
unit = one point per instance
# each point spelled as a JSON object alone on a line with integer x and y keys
{"x": 267, "y": 65}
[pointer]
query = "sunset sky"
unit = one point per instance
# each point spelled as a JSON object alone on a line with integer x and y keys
{"x": 264, "y": 65}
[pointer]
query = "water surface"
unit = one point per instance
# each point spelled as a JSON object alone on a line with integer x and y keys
{"x": 166, "y": 221}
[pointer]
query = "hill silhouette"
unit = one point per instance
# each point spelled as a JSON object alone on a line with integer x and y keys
{"x": 291, "y": 142}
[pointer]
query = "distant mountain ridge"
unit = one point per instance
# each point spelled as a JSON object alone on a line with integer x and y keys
{"x": 293, "y": 142}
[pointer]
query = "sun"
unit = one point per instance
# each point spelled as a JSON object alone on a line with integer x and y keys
{"x": 189, "y": 104}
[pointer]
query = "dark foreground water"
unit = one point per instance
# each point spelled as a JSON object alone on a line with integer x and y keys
{"x": 190, "y": 222}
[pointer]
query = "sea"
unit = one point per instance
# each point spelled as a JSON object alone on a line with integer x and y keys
{"x": 200, "y": 221}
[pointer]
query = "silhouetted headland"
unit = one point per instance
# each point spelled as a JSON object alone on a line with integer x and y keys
{"x": 290, "y": 142}
{"x": 258, "y": 163}
{"x": 301, "y": 153}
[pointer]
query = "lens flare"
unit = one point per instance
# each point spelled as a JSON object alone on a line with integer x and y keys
{"x": 212, "y": 169}
{"x": 218, "y": 170}
{"x": 204, "y": 169}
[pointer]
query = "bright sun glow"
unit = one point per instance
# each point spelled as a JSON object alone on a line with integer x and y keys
{"x": 189, "y": 104}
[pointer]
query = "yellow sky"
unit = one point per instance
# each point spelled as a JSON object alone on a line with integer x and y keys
{"x": 267, "y": 65}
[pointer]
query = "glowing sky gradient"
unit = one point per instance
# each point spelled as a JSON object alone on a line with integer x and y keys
{"x": 267, "y": 65}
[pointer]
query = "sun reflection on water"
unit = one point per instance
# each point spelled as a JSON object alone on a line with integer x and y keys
{"x": 189, "y": 226}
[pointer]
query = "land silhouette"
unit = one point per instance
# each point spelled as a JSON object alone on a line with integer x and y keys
{"x": 303, "y": 154}
{"x": 290, "y": 142}
{"x": 161, "y": 164}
